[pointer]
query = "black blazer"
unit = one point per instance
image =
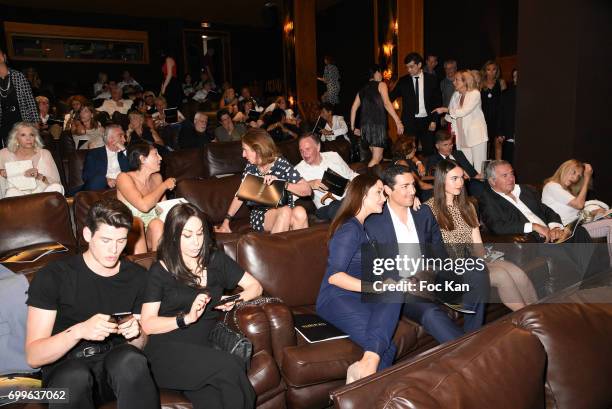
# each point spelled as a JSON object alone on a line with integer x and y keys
{"x": 96, "y": 165}
{"x": 410, "y": 106}
{"x": 460, "y": 158}
{"x": 501, "y": 217}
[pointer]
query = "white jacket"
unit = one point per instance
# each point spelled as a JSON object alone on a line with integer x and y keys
{"x": 468, "y": 121}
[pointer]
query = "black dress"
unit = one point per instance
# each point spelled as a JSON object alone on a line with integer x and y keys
{"x": 183, "y": 359}
{"x": 491, "y": 102}
{"x": 9, "y": 109}
{"x": 373, "y": 123}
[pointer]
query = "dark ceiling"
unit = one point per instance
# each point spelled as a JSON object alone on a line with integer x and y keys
{"x": 233, "y": 12}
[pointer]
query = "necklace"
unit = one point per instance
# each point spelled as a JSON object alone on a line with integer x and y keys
{"x": 4, "y": 92}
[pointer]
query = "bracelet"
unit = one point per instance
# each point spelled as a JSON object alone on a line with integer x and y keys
{"x": 180, "y": 321}
{"x": 228, "y": 217}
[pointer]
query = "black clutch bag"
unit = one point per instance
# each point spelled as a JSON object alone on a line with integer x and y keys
{"x": 256, "y": 193}
{"x": 335, "y": 183}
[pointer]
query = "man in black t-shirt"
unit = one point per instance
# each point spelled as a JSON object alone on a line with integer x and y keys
{"x": 74, "y": 330}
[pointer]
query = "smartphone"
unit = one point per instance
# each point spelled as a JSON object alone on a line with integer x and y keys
{"x": 226, "y": 300}
{"x": 120, "y": 317}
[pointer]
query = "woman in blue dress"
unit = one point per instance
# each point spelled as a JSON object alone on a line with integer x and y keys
{"x": 369, "y": 324}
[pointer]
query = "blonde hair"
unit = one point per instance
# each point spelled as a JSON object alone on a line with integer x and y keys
{"x": 40, "y": 98}
{"x": 12, "y": 143}
{"x": 262, "y": 143}
{"x": 468, "y": 78}
{"x": 162, "y": 100}
{"x": 483, "y": 70}
{"x": 562, "y": 172}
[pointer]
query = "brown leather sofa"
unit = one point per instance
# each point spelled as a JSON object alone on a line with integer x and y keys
{"x": 554, "y": 355}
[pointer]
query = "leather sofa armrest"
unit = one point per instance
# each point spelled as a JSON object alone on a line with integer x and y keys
{"x": 310, "y": 364}
{"x": 263, "y": 373}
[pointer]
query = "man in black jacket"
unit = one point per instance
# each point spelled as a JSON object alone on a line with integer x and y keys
{"x": 420, "y": 95}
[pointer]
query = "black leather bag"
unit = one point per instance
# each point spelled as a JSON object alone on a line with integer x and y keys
{"x": 224, "y": 338}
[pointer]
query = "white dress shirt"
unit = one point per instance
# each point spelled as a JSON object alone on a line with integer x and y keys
{"x": 110, "y": 106}
{"x": 422, "y": 113}
{"x": 407, "y": 238}
{"x": 112, "y": 168}
{"x": 522, "y": 207}
{"x": 338, "y": 127}
{"x": 330, "y": 160}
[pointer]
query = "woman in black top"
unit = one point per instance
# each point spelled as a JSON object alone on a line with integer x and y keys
{"x": 189, "y": 277}
{"x": 491, "y": 87}
{"x": 373, "y": 99}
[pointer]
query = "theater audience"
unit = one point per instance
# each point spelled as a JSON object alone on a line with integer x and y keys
{"x": 444, "y": 148}
{"x": 189, "y": 88}
{"x": 264, "y": 160}
{"x": 565, "y": 192}
{"x": 370, "y": 325}
{"x": 335, "y": 126}
{"x": 278, "y": 126}
{"x": 281, "y": 102}
{"x": 331, "y": 78}
{"x": 431, "y": 63}
{"x": 86, "y": 130}
{"x": 139, "y": 105}
{"x": 75, "y": 102}
{"x": 141, "y": 189}
{"x": 171, "y": 88}
{"x": 103, "y": 165}
{"x": 245, "y": 95}
{"x": 229, "y": 101}
{"x": 459, "y": 226}
{"x": 373, "y": 99}
{"x": 16, "y": 100}
{"x": 116, "y": 103}
{"x": 24, "y": 144}
{"x": 149, "y": 97}
{"x": 202, "y": 95}
{"x": 196, "y": 134}
{"x": 248, "y": 114}
{"x": 312, "y": 167}
{"x": 227, "y": 130}
{"x": 467, "y": 120}
{"x": 178, "y": 314}
{"x": 71, "y": 331}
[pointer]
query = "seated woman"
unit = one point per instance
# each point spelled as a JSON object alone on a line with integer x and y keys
{"x": 459, "y": 225}
{"x": 229, "y": 101}
{"x": 245, "y": 107}
{"x": 139, "y": 105}
{"x": 281, "y": 102}
{"x": 139, "y": 132}
{"x": 141, "y": 189}
{"x": 369, "y": 324}
{"x": 86, "y": 131}
{"x": 565, "y": 192}
{"x": 43, "y": 112}
{"x": 159, "y": 117}
{"x": 264, "y": 160}
{"x": 404, "y": 153}
{"x": 279, "y": 128}
{"x": 189, "y": 88}
{"x": 177, "y": 314}
{"x": 24, "y": 143}
{"x": 75, "y": 103}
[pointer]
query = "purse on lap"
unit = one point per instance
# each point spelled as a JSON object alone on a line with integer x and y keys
{"x": 257, "y": 194}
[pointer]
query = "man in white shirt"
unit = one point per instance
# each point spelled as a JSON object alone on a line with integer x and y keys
{"x": 116, "y": 103}
{"x": 335, "y": 125}
{"x": 313, "y": 166}
{"x": 128, "y": 80}
{"x": 102, "y": 165}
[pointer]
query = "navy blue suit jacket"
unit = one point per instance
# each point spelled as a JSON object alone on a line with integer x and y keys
{"x": 95, "y": 167}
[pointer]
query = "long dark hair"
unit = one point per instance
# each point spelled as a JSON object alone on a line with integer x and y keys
{"x": 169, "y": 249}
{"x": 351, "y": 204}
{"x": 445, "y": 220}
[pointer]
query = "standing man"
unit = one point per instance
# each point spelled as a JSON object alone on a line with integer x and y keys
{"x": 16, "y": 100}
{"x": 73, "y": 330}
{"x": 420, "y": 96}
{"x": 446, "y": 85}
{"x": 313, "y": 166}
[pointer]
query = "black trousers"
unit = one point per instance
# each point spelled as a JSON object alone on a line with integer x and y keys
{"x": 121, "y": 373}
{"x": 328, "y": 212}
{"x": 419, "y": 127}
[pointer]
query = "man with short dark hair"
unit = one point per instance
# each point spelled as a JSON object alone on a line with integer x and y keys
{"x": 446, "y": 85}
{"x": 83, "y": 313}
{"x": 312, "y": 167}
{"x": 335, "y": 125}
{"x": 399, "y": 224}
{"x": 228, "y": 131}
{"x": 420, "y": 95}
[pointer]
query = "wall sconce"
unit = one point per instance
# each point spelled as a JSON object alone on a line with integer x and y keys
{"x": 387, "y": 74}
{"x": 290, "y": 100}
{"x": 288, "y": 27}
{"x": 395, "y": 27}
{"x": 388, "y": 49}
{"x": 396, "y": 105}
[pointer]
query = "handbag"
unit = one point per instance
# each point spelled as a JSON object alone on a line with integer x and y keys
{"x": 258, "y": 194}
{"x": 224, "y": 338}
